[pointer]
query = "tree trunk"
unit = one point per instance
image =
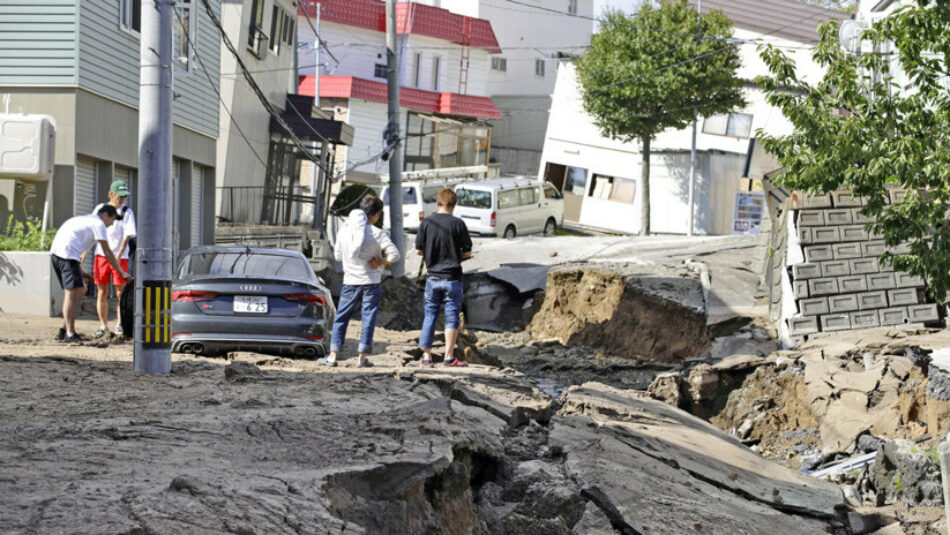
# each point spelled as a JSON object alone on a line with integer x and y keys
{"x": 645, "y": 190}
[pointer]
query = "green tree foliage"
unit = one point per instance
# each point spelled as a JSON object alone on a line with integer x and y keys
{"x": 646, "y": 72}
{"x": 858, "y": 129}
{"x": 25, "y": 236}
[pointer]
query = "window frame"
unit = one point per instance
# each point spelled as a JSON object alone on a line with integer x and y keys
{"x": 189, "y": 66}
{"x": 499, "y": 64}
{"x": 416, "y": 69}
{"x": 380, "y": 68}
{"x": 436, "y": 72}
{"x": 255, "y": 29}
{"x": 127, "y": 17}
{"x": 572, "y": 7}
{"x": 275, "y": 27}
{"x": 539, "y": 68}
{"x": 729, "y": 120}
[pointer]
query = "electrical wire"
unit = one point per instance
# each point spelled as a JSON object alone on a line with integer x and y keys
{"x": 217, "y": 92}
{"x": 307, "y": 152}
{"x": 316, "y": 34}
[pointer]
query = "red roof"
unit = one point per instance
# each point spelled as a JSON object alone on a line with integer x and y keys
{"x": 418, "y": 19}
{"x": 414, "y": 99}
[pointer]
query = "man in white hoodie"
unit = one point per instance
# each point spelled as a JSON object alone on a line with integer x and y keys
{"x": 364, "y": 251}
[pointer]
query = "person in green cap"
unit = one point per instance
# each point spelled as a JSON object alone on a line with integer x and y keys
{"x": 119, "y": 235}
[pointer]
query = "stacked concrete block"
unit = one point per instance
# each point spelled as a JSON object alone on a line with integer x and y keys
{"x": 842, "y": 284}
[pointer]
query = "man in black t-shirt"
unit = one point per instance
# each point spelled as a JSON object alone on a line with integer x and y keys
{"x": 443, "y": 241}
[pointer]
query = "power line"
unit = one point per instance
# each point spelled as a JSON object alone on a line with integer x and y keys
{"x": 217, "y": 92}
{"x": 260, "y": 94}
{"x": 316, "y": 34}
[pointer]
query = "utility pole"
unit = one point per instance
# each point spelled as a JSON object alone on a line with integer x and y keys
{"x": 153, "y": 259}
{"x": 314, "y": 184}
{"x": 392, "y": 138}
{"x": 692, "y": 150}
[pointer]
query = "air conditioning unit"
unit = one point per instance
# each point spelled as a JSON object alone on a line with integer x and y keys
{"x": 26, "y": 146}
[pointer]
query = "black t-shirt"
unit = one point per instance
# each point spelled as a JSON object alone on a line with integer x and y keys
{"x": 443, "y": 238}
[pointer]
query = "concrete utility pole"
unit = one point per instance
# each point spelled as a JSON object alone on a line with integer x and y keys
{"x": 153, "y": 258}
{"x": 395, "y": 157}
{"x": 692, "y": 150}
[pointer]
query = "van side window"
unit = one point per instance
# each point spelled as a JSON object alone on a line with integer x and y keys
{"x": 408, "y": 195}
{"x": 550, "y": 192}
{"x": 528, "y": 196}
{"x": 508, "y": 199}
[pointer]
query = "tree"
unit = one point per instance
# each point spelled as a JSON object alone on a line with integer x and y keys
{"x": 840, "y": 5}
{"x": 647, "y": 72}
{"x": 858, "y": 129}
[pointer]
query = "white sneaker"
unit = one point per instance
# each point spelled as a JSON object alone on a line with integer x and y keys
{"x": 119, "y": 331}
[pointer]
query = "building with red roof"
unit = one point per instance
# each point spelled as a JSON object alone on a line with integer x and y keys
{"x": 444, "y": 107}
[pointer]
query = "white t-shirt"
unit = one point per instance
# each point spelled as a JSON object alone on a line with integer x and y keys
{"x": 77, "y": 235}
{"x": 119, "y": 230}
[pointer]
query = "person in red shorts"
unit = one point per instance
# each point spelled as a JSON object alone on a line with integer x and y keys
{"x": 119, "y": 234}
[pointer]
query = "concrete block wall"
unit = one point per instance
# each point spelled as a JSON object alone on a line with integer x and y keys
{"x": 841, "y": 284}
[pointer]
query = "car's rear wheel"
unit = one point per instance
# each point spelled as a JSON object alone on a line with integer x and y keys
{"x": 550, "y": 227}
{"x": 510, "y": 232}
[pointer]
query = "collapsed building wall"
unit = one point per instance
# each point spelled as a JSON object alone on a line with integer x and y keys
{"x": 827, "y": 276}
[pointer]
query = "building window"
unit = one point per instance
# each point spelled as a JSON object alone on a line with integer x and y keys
{"x": 728, "y": 124}
{"x": 380, "y": 70}
{"x": 609, "y": 188}
{"x": 416, "y": 69}
{"x": 539, "y": 67}
{"x": 276, "y": 22}
{"x": 575, "y": 180}
{"x": 291, "y": 29}
{"x": 434, "y": 141}
{"x": 185, "y": 35}
{"x": 572, "y": 7}
{"x": 130, "y": 15}
{"x": 499, "y": 64}
{"x": 255, "y": 31}
{"x": 436, "y": 63}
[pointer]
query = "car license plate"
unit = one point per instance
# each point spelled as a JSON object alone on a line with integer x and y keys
{"x": 254, "y": 304}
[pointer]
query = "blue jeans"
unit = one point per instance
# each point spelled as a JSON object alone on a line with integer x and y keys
{"x": 440, "y": 292}
{"x": 367, "y": 297}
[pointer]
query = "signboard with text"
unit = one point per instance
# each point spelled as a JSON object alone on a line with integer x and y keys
{"x": 748, "y": 213}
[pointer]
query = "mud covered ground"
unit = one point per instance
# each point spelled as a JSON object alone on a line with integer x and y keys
{"x": 258, "y": 444}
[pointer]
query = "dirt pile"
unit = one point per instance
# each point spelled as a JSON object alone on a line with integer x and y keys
{"x": 402, "y": 306}
{"x": 648, "y": 313}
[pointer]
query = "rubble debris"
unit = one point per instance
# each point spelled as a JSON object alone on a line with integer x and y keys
{"x": 648, "y": 313}
{"x": 241, "y": 371}
{"x": 401, "y": 306}
{"x": 904, "y": 472}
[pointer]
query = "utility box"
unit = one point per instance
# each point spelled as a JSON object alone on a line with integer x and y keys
{"x": 27, "y": 147}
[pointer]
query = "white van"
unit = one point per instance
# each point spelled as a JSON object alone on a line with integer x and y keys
{"x": 509, "y": 207}
{"x": 418, "y": 202}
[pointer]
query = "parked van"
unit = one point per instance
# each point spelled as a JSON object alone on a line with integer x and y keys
{"x": 418, "y": 202}
{"x": 509, "y": 207}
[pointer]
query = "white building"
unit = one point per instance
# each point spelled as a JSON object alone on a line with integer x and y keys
{"x": 600, "y": 177}
{"x": 444, "y": 109}
{"x": 535, "y": 36}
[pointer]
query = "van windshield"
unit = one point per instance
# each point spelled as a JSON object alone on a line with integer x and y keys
{"x": 408, "y": 196}
{"x": 473, "y": 198}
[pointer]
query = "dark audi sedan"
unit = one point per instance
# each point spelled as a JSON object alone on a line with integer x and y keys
{"x": 249, "y": 299}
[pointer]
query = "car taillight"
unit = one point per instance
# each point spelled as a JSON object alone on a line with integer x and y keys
{"x": 307, "y": 299}
{"x": 493, "y": 220}
{"x": 193, "y": 295}
{"x": 421, "y": 216}
{"x": 178, "y": 335}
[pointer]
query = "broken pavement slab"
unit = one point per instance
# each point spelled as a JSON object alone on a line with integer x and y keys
{"x": 648, "y": 313}
{"x": 676, "y": 438}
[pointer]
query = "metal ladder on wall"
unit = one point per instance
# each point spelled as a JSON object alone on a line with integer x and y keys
{"x": 467, "y": 24}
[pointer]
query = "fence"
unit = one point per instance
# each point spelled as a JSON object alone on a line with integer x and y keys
{"x": 255, "y": 205}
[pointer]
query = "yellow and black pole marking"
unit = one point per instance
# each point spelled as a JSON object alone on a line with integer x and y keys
{"x": 157, "y": 323}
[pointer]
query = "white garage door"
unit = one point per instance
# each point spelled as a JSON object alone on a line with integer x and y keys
{"x": 197, "y": 208}
{"x": 84, "y": 187}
